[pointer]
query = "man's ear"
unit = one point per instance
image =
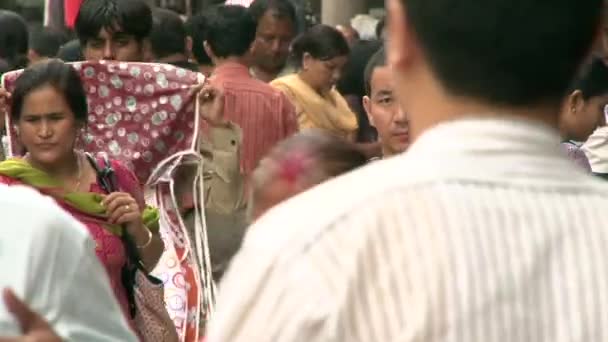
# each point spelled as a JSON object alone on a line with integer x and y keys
{"x": 32, "y": 56}
{"x": 367, "y": 104}
{"x": 576, "y": 102}
{"x": 398, "y": 51}
{"x": 209, "y": 50}
{"x": 189, "y": 46}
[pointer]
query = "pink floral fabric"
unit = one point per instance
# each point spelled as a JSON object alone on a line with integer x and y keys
{"x": 139, "y": 113}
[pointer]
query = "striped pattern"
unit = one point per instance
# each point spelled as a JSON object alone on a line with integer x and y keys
{"x": 264, "y": 114}
{"x": 483, "y": 231}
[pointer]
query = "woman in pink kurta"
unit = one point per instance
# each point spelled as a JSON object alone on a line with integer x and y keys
{"x": 49, "y": 110}
{"x": 109, "y": 247}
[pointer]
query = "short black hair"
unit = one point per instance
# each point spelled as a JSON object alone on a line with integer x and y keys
{"x": 230, "y": 30}
{"x": 505, "y": 52}
{"x": 280, "y": 9}
{"x": 593, "y": 80}
{"x": 14, "y": 39}
{"x": 70, "y": 51}
{"x": 57, "y": 74}
{"x": 133, "y": 17}
{"x": 46, "y": 41}
{"x": 378, "y": 60}
{"x": 196, "y": 28}
{"x": 380, "y": 28}
{"x": 168, "y": 35}
{"x": 322, "y": 42}
{"x": 352, "y": 81}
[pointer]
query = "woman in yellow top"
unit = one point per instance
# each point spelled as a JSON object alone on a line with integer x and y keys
{"x": 319, "y": 54}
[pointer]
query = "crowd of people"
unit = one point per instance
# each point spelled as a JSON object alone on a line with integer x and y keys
{"x": 442, "y": 181}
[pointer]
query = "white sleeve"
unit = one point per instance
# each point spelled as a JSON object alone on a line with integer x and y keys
{"x": 260, "y": 300}
{"x": 88, "y": 309}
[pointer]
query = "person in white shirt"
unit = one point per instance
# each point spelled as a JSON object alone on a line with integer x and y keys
{"x": 48, "y": 259}
{"x": 482, "y": 231}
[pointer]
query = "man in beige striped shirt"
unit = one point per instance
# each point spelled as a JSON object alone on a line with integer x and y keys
{"x": 482, "y": 231}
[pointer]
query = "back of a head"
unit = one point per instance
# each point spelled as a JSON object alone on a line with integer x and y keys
{"x": 313, "y": 154}
{"x": 46, "y": 42}
{"x": 196, "y": 28}
{"x": 505, "y": 52}
{"x": 378, "y": 60}
{"x": 279, "y": 8}
{"x": 353, "y": 80}
{"x": 593, "y": 80}
{"x": 168, "y": 35}
{"x": 133, "y": 17}
{"x": 71, "y": 51}
{"x": 322, "y": 42}
{"x": 299, "y": 163}
{"x": 230, "y": 30}
{"x": 13, "y": 39}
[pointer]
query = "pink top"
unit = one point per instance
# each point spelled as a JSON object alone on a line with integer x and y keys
{"x": 264, "y": 114}
{"x": 109, "y": 247}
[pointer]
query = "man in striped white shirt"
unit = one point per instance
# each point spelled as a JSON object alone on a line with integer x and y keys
{"x": 482, "y": 231}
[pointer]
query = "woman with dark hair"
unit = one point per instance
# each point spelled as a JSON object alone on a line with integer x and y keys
{"x": 13, "y": 41}
{"x": 320, "y": 55}
{"x": 49, "y": 110}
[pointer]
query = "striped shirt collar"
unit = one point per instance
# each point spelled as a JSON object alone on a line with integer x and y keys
{"x": 232, "y": 69}
{"x": 490, "y": 149}
{"x": 480, "y": 136}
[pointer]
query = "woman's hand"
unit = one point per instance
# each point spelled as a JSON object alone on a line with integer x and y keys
{"x": 122, "y": 208}
{"x": 211, "y": 102}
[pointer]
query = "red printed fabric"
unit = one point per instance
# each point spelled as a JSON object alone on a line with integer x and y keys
{"x": 139, "y": 113}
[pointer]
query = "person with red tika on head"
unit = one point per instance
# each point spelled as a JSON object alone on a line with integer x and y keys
{"x": 298, "y": 164}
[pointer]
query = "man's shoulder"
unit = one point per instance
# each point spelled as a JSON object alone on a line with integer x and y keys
{"x": 307, "y": 215}
{"x": 250, "y": 85}
{"x": 32, "y": 214}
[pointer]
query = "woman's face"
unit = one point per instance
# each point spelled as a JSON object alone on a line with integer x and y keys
{"x": 47, "y": 126}
{"x": 322, "y": 75}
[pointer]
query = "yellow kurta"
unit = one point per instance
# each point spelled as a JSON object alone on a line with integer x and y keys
{"x": 329, "y": 112}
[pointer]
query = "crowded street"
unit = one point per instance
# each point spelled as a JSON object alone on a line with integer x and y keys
{"x": 303, "y": 170}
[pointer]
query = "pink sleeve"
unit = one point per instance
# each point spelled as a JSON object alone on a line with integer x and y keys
{"x": 128, "y": 182}
{"x": 8, "y": 180}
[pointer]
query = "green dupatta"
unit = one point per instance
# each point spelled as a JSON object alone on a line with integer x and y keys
{"x": 86, "y": 202}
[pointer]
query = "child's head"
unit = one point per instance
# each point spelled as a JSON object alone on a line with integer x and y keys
{"x": 297, "y": 164}
{"x": 583, "y": 108}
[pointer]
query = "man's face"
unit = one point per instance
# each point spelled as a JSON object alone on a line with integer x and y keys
{"x": 114, "y": 45}
{"x": 386, "y": 114}
{"x": 271, "y": 46}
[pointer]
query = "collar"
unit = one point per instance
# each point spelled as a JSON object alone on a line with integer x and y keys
{"x": 493, "y": 148}
{"x": 233, "y": 69}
